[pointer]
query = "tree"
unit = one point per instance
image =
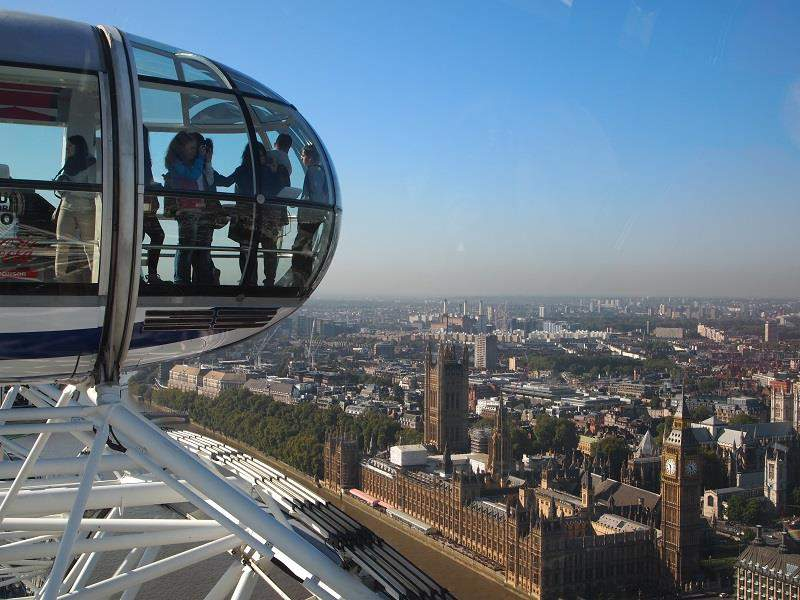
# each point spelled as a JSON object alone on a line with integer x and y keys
{"x": 742, "y": 419}
{"x": 565, "y": 438}
{"x": 735, "y": 510}
{"x": 699, "y": 413}
{"x": 613, "y": 449}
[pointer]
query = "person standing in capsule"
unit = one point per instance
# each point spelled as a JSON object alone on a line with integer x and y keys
{"x": 315, "y": 189}
{"x": 185, "y": 162}
{"x": 75, "y": 216}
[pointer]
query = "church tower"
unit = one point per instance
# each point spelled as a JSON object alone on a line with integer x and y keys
{"x": 499, "y": 446}
{"x": 681, "y": 492}
{"x": 446, "y": 383}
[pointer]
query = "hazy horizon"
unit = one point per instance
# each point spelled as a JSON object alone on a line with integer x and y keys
{"x": 552, "y": 147}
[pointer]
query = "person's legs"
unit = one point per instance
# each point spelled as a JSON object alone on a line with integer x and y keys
{"x": 153, "y": 230}
{"x": 202, "y": 267}
{"x": 302, "y": 264}
{"x": 270, "y": 259}
{"x": 85, "y": 224}
{"x": 187, "y": 229}
{"x": 65, "y": 229}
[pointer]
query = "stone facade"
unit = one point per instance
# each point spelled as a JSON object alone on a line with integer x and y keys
{"x": 446, "y": 381}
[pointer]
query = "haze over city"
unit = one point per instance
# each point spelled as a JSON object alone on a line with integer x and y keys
{"x": 544, "y": 147}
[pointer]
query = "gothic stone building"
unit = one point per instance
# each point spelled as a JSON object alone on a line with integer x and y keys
{"x": 551, "y": 543}
{"x": 540, "y": 553}
{"x": 446, "y": 383}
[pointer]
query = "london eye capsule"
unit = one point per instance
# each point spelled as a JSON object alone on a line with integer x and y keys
{"x": 154, "y": 203}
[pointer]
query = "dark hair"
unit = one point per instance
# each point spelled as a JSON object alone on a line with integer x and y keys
{"x": 173, "y": 151}
{"x": 310, "y": 150}
{"x": 80, "y": 159}
{"x": 246, "y": 153}
{"x": 283, "y": 142}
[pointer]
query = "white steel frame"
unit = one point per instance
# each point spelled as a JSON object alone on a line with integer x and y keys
{"x": 48, "y": 544}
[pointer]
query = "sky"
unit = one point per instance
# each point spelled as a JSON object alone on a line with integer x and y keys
{"x": 530, "y": 147}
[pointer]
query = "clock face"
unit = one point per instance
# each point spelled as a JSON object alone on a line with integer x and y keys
{"x": 691, "y": 468}
{"x": 670, "y": 466}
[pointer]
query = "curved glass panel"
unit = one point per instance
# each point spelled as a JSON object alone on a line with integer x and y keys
{"x": 217, "y": 128}
{"x": 295, "y": 150}
{"x": 50, "y": 173}
{"x": 154, "y": 59}
{"x": 231, "y": 247}
{"x": 248, "y": 85}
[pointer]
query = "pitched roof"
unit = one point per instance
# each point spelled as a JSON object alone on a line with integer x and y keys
{"x": 623, "y": 494}
{"x": 646, "y": 446}
{"x": 770, "y": 561}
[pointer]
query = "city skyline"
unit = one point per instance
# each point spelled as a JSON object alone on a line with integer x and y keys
{"x": 534, "y": 147}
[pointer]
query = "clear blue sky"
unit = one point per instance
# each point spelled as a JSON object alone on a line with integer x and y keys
{"x": 531, "y": 147}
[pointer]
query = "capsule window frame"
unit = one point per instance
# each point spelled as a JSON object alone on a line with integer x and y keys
{"x": 105, "y": 144}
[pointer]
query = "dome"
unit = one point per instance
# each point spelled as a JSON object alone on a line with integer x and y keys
{"x": 154, "y": 203}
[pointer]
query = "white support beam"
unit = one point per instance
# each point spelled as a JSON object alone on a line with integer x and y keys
{"x": 45, "y": 428}
{"x": 64, "y": 555}
{"x": 83, "y": 568}
{"x": 245, "y": 586}
{"x": 130, "y": 562}
{"x": 65, "y": 466}
{"x": 173, "y": 456}
{"x": 147, "y": 558}
{"x": 119, "y": 583}
{"x": 125, "y": 541}
{"x": 31, "y": 459}
{"x": 225, "y": 583}
{"x": 57, "y": 524}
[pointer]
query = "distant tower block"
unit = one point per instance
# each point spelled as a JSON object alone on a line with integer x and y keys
{"x": 464, "y": 309}
{"x": 541, "y": 312}
{"x": 486, "y": 352}
{"x": 770, "y": 332}
{"x": 444, "y": 306}
{"x": 446, "y": 383}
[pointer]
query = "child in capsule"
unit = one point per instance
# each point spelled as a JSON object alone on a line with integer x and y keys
{"x": 269, "y": 220}
{"x": 75, "y": 216}
{"x": 185, "y": 162}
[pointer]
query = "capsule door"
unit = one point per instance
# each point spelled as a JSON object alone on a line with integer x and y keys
{"x": 55, "y": 127}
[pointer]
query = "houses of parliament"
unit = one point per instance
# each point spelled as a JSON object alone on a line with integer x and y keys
{"x": 569, "y": 533}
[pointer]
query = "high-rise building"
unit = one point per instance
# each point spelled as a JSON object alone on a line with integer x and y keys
{"x": 541, "y": 312}
{"x": 446, "y": 383}
{"x": 681, "y": 491}
{"x": 486, "y": 352}
{"x": 770, "y": 332}
{"x": 464, "y": 308}
{"x": 444, "y": 306}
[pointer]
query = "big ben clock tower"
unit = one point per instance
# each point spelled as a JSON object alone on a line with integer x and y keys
{"x": 681, "y": 492}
